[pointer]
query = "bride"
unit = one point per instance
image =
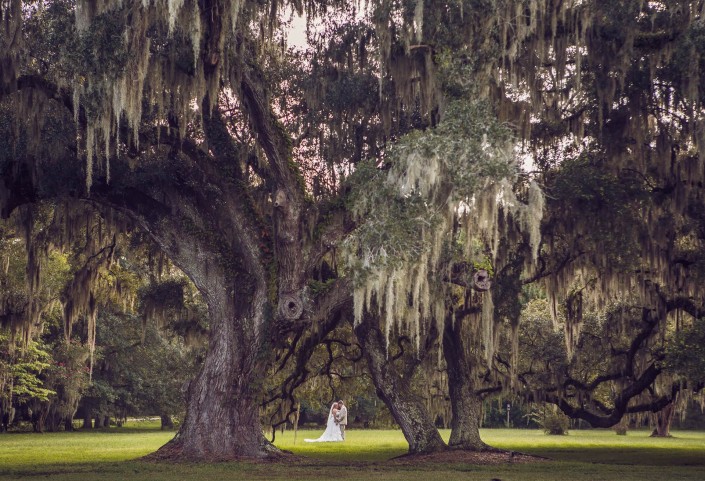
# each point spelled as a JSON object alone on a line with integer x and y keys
{"x": 332, "y": 432}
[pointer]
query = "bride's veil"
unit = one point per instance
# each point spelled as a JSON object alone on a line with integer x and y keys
{"x": 330, "y": 411}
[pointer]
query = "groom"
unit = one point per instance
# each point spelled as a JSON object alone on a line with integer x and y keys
{"x": 341, "y": 418}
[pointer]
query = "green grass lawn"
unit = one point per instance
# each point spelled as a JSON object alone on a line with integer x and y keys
{"x": 594, "y": 455}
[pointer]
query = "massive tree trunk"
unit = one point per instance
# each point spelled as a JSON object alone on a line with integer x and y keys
{"x": 209, "y": 231}
{"x": 394, "y": 390}
{"x": 466, "y": 404}
{"x": 222, "y": 419}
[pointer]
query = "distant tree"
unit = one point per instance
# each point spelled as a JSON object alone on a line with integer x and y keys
{"x": 146, "y": 370}
{"x": 20, "y": 382}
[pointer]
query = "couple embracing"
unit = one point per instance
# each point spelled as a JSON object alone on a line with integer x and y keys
{"x": 335, "y": 427}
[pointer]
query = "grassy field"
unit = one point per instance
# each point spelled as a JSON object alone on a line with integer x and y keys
{"x": 595, "y": 455}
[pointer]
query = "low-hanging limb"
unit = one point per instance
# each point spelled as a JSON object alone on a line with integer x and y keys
{"x": 331, "y": 309}
{"x": 394, "y": 388}
{"x": 230, "y": 276}
{"x": 219, "y": 249}
{"x": 574, "y": 397}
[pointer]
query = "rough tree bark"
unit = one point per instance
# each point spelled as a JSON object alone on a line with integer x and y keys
{"x": 394, "y": 389}
{"x": 222, "y": 419}
{"x": 466, "y": 404}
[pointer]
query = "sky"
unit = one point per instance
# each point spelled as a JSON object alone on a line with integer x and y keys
{"x": 297, "y": 32}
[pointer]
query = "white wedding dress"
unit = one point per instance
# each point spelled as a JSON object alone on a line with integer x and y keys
{"x": 332, "y": 432}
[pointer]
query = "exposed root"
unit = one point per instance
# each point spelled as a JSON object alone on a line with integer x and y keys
{"x": 173, "y": 452}
{"x": 483, "y": 448}
{"x": 491, "y": 456}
